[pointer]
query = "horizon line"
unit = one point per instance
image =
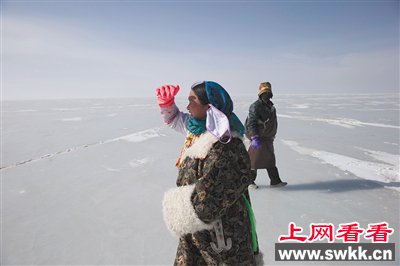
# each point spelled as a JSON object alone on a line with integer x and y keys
{"x": 183, "y": 97}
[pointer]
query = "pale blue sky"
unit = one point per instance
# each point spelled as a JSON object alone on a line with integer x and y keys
{"x": 91, "y": 49}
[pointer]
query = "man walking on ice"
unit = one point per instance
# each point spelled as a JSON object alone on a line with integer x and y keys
{"x": 261, "y": 127}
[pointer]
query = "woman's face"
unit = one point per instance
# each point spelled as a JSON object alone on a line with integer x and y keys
{"x": 195, "y": 108}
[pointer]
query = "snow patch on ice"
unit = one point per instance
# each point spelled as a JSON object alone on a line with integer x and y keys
{"x": 296, "y": 113}
{"x": 385, "y": 157}
{"x": 140, "y": 136}
{"x": 299, "y": 106}
{"x": 72, "y": 119}
{"x": 25, "y": 110}
{"x": 139, "y": 162}
{"x": 66, "y": 109}
{"x": 142, "y": 105}
{"x": 377, "y": 125}
{"x": 386, "y": 172}
{"x": 99, "y": 107}
{"x": 391, "y": 143}
{"x": 343, "y": 122}
{"x": 112, "y": 169}
{"x": 286, "y": 116}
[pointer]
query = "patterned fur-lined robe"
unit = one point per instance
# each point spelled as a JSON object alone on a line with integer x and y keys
{"x": 211, "y": 182}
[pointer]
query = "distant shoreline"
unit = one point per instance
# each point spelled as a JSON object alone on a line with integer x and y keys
{"x": 276, "y": 95}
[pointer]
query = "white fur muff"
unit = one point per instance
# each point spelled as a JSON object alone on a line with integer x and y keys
{"x": 179, "y": 214}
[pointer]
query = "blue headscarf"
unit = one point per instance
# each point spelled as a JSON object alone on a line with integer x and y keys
{"x": 220, "y": 99}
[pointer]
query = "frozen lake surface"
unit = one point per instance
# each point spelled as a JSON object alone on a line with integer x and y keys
{"x": 82, "y": 180}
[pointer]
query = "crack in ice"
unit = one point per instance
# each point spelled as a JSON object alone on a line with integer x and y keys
{"x": 135, "y": 137}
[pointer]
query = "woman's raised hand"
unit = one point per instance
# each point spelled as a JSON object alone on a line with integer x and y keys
{"x": 166, "y": 95}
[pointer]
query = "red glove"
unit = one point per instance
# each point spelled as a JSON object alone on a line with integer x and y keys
{"x": 166, "y": 95}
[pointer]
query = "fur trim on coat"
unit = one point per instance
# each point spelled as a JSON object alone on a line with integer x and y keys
{"x": 202, "y": 146}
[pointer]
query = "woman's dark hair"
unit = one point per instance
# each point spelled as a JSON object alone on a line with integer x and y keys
{"x": 200, "y": 91}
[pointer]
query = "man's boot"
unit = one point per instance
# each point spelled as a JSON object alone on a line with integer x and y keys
{"x": 274, "y": 177}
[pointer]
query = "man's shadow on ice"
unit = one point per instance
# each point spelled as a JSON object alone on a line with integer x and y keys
{"x": 334, "y": 186}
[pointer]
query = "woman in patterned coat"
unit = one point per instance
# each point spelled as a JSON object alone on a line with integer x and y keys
{"x": 209, "y": 210}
